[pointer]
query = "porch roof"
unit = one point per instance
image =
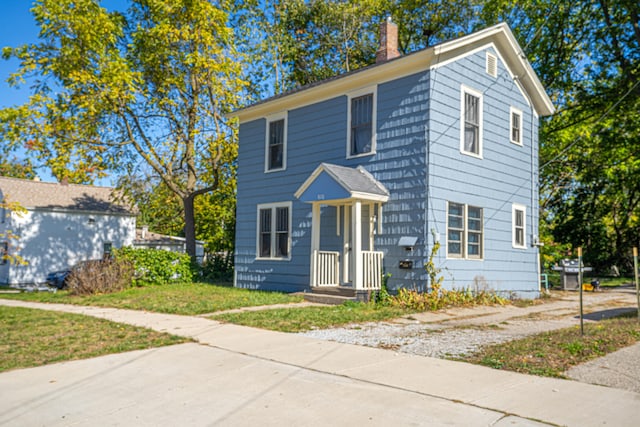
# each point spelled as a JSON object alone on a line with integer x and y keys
{"x": 332, "y": 182}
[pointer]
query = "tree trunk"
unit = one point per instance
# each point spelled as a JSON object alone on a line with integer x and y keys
{"x": 189, "y": 226}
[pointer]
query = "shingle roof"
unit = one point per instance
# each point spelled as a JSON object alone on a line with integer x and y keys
{"x": 355, "y": 180}
{"x": 69, "y": 197}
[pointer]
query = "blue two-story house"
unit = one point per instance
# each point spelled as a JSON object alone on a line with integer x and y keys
{"x": 349, "y": 178}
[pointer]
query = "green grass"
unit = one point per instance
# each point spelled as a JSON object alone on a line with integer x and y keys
{"x": 187, "y": 299}
{"x": 552, "y": 353}
{"x": 30, "y": 337}
{"x": 606, "y": 282}
{"x": 610, "y": 282}
{"x": 308, "y": 318}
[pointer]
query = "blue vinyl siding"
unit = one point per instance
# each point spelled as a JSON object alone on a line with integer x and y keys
{"x": 495, "y": 182}
{"x": 316, "y": 133}
{"x": 399, "y": 165}
{"x": 418, "y": 160}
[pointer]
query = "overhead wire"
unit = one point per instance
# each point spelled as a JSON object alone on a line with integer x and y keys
{"x": 598, "y": 120}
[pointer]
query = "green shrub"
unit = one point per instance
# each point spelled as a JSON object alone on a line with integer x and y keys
{"x": 382, "y": 297}
{"x": 440, "y": 298}
{"x": 156, "y": 266}
{"x": 100, "y": 276}
{"x": 218, "y": 267}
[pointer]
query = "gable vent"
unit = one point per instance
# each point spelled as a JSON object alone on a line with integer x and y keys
{"x": 492, "y": 65}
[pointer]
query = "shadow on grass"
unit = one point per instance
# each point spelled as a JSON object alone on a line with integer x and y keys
{"x": 610, "y": 313}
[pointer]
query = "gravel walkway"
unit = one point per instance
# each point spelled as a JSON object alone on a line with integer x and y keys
{"x": 458, "y": 332}
{"x": 434, "y": 340}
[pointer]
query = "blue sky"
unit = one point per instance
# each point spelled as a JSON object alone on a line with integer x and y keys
{"x": 17, "y": 27}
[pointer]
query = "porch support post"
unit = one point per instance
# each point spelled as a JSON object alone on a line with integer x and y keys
{"x": 315, "y": 240}
{"x": 371, "y": 225}
{"x": 356, "y": 223}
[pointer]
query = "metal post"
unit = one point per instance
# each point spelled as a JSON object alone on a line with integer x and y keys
{"x": 580, "y": 285}
{"x": 635, "y": 274}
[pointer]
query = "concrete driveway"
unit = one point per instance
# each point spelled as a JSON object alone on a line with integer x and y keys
{"x": 243, "y": 376}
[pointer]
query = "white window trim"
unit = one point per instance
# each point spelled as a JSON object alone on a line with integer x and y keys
{"x": 512, "y": 111}
{"x": 273, "y": 206}
{"x": 463, "y": 90}
{"x": 275, "y": 117}
{"x": 464, "y": 243}
{"x": 517, "y": 207}
{"x": 373, "y": 90}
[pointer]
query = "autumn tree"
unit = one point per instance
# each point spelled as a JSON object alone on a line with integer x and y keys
{"x": 130, "y": 90}
{"x": 13, "y": 167}
{"x": 161, "y": 210}
{"x": 296, "y": 42}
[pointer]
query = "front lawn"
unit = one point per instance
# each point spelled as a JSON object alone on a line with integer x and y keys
{"x": 30, "y": 337}
{"x": 304, "y": 319}
{"x": 187, "y": 299}
{"x": 552, "y": 353}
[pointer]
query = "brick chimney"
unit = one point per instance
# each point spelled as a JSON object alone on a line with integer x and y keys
{"x": 388, "y": 42}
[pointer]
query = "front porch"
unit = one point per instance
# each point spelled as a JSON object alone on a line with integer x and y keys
{"x": 326, "y": 269}
{"x": 351, "y": 199}
{"x": 326, "y": 286}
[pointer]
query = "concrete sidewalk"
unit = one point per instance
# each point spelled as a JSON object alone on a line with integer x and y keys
{"x": 244, "y": 376}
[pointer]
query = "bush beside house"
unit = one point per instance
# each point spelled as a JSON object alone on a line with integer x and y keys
{"x": 157, "y": 267}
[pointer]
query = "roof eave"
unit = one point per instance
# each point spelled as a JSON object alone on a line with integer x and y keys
{"x": 62, "y": 209}
{"x": 340, "y": 85}
{"x": 500, "y": 34}
{"x": 504, "y": 40}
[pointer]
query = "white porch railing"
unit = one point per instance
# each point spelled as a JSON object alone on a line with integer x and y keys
{"x": 326, "y": 269}
{"x": 372, "y": 265}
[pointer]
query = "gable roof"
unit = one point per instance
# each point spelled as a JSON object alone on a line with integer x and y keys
{"x": 37, "y": 195}
{"x": 500, "y": 36}
{"x": 342, "y": 183}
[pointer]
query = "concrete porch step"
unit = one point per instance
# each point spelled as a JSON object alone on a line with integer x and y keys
{"x": 342, "y": 291}
{"x": 334, "y": 295}
{"x": 327, "y": 299}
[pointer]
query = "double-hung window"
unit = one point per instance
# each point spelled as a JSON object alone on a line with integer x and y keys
{"x": 518, "y": 214}
{"x": 471, "y": 122}
{"x": 276, "y": 144}
{"x": 464, "y": 231}
{"x": 274, "y": 231}
{"x": 515, "y": 125}
{"x": 362, "y": 124}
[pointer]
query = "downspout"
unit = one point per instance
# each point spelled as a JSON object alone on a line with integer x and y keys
{"x": 427, "y": 155}
{"x": 427, "y": 164}
{"x": 534, "y": 202}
